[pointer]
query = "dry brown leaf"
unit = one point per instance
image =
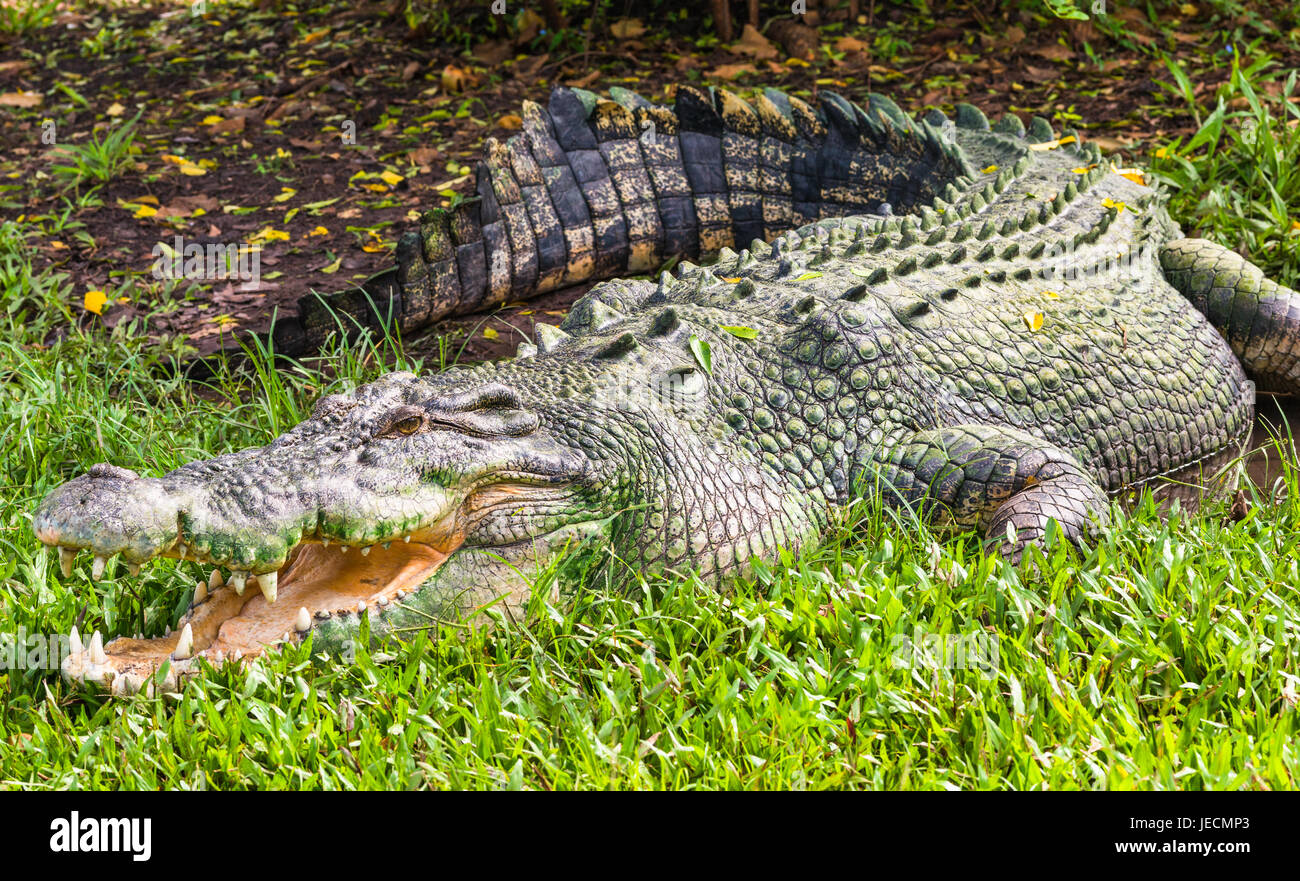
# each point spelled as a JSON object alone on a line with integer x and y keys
{"x": 731, "y": 71}
{"x": 583, "y": 81}
{"x": 851, "y": 44}
{"x": 234, "y": 124}
{"x": 754, "y": 44}
{"x": 511, "y": 122}
{"x": 21, "y": 99}
{"x": 627, "y": 28}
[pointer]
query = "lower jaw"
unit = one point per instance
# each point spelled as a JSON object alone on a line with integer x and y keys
{"x": 411, "y": 587}
{"x": 322, "y": 592}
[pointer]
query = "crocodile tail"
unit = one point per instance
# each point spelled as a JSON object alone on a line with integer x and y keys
{"x": 595, "y": 188}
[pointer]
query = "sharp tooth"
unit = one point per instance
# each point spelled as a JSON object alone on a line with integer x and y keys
{"x": 387, "y": 545}
{"x": 322, "y": 614}
{"x": 97, "y": 567}
{"x": 303, "y": 622}
{"x": 383, "y": 601}
{"x": 236, "y": 581}
{"x": 139, "y": 636}
{"x": 215, "y": 580}
{"x": 200, "y": 592}
{"x": 74, "y": 642}
{"x": 406, "y": 538}
{"x": 180, "y": 551}
{"x": 238, "y": 655}
{"x": 133, "y": 568}
{"x": 343, "y": 549}
{"x": 268, "y": 582}
{"x": 284, "y": 637}
{"x": 67, "y": 556}
{"x": 97, "y": 655}
{"x": 365, "y": 550}
{"x": 361, "y": 607}
{"x": 185, "y": 645}
{"x": 324, "y": 542}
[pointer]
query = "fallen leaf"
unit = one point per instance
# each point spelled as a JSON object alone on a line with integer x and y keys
{"x": 94, "y": 302}
{"x": 115, "y": 109}
{"x": 21, "y": 99}
{"x": 754, "y": 44}
{"x": 851, "y": 44}
{"x": 731, "y": 71}
{"x": 511, "y": 122}
{"x": 627, "y": 28}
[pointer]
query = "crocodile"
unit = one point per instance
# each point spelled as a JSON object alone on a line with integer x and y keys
{"x": 987, "y": 325}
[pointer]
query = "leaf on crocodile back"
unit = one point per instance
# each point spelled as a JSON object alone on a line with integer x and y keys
{"x": 1033, "y": 321}
{"x": 702, "y": 354}
{"x": 809, "y": 275}
{"x": 745, "y": 333}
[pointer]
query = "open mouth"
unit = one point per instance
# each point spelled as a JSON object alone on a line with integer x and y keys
{"x": 245, "y": 615}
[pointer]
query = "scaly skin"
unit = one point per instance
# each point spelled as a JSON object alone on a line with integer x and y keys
{"x": 980, "y": 360}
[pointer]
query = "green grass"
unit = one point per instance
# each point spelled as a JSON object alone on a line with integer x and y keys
{"x": 1237, "y": 180}
{"x": 1164, "y": 656}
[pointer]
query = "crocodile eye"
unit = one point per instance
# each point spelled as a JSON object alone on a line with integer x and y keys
{"x": 403, "y": 421}
{"x": 406, "y": 425}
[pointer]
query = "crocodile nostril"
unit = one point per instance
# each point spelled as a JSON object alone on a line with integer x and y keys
{"x": 103, "y": 469}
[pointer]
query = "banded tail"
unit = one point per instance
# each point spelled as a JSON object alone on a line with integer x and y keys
{"x": 594, "y": 188}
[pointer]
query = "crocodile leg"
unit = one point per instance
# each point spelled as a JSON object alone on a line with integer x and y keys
{"x": 1258, "y": 317}
{"x": 987, "y": 477}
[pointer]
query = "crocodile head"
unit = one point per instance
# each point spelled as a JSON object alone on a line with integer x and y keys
{"x": 409, "y": 500}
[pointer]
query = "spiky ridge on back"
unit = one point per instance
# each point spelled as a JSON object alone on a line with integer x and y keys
{"x": 594, "y": 188}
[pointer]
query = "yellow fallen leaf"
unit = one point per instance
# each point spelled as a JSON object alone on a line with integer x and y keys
{"x": 212, "y": 119}
{"x": 1163, "y": 153}
{"x": 511, "y": 122}
{"x": 1052, "y": 145}
{"x": 489, "y": 333}
{"x": 270, "y": 234}
{"x": 989, "y": 170}
{"x": 94, "y": 302}
{"x": 115, "y": 109}
{"x": 1051, "y": 295}
{"x": 286, "y": 193}
{"x": 391, "y": 179}
{"x": 375, "y": 188}
{"x": 319, "y": 231}
{"x": 192, "y": 170}
{"x": 1033, "y": 321}
{"x": 1108, "y": 202}
{"x": 145, "y": 211}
